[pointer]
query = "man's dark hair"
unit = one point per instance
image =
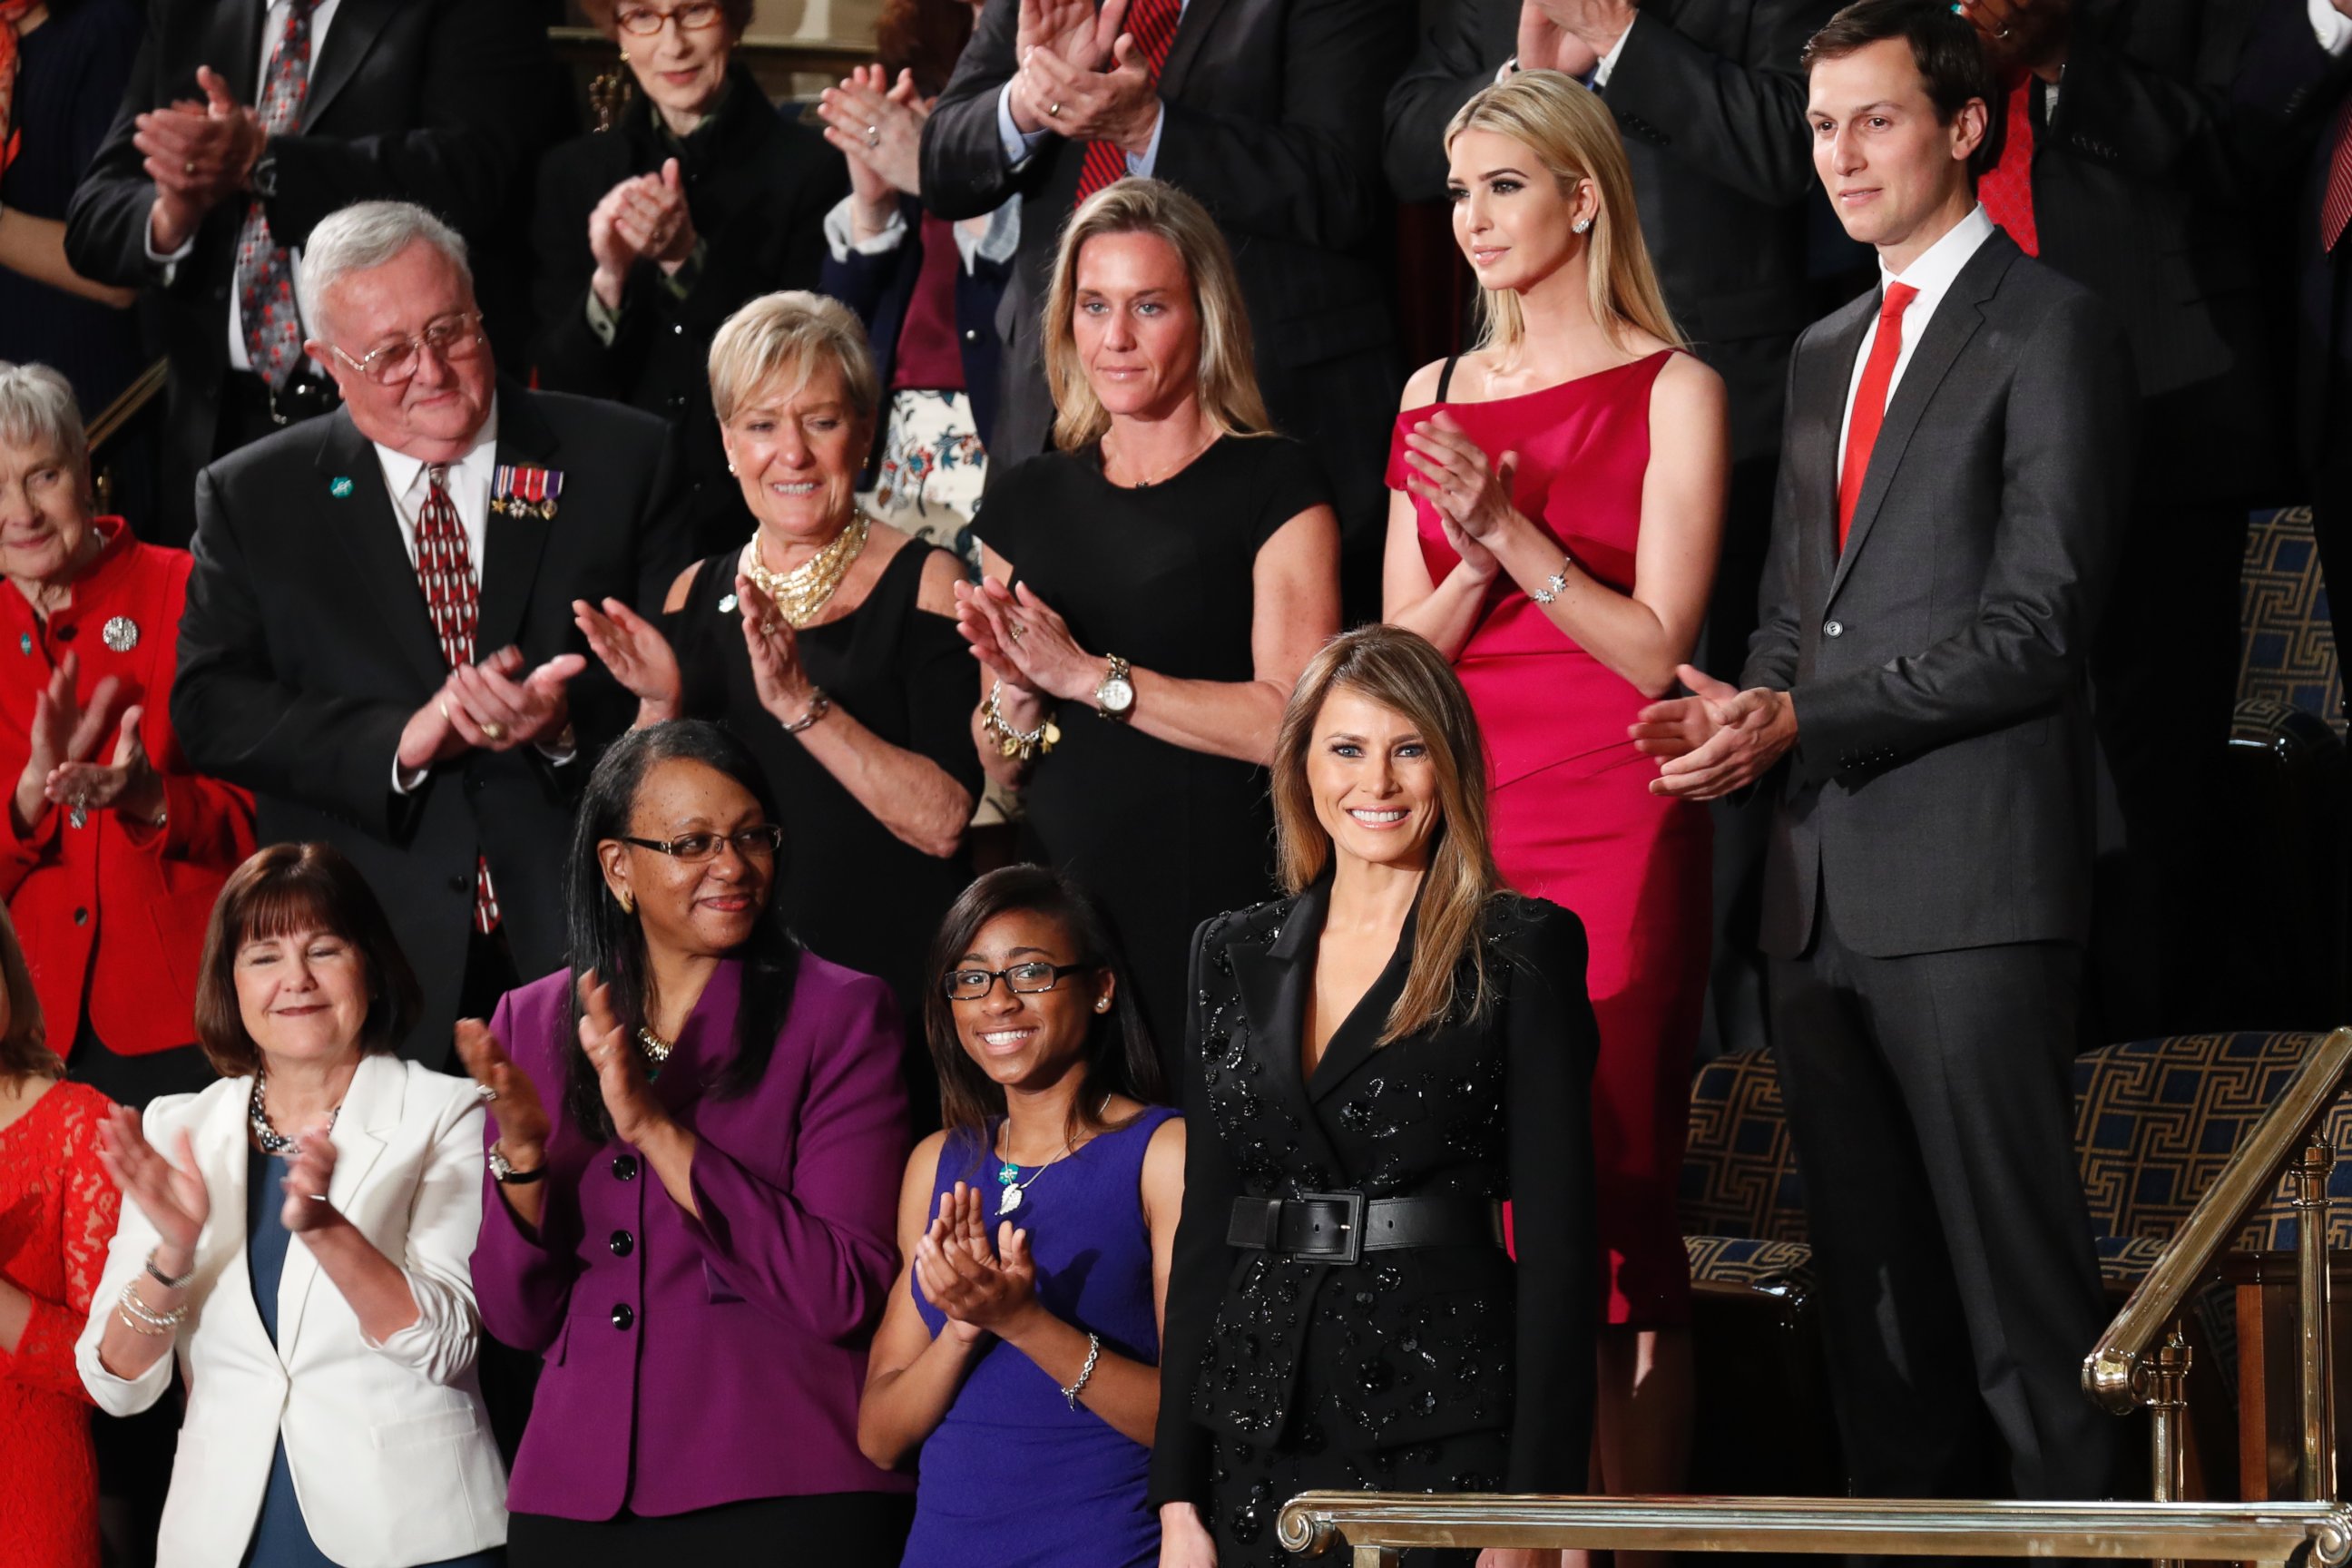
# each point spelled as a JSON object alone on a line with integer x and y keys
{"x": 1950, "y": 55}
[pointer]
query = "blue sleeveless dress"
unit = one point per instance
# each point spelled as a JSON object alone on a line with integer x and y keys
{"x": 1013, "y": 1478}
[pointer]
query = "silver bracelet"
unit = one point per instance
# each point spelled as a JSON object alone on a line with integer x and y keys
{"x": 819, "y": 706}
{"x": 165, "y": 1280}
{"x": 1085, "y": 1372}
{"x": 1554, "y": 584}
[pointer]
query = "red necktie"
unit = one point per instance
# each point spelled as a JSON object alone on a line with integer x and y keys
{"x": 1870, "y": 401}
{"x": 11, "y": 139}
{"x": 2007, "y": 188}
{"x": 2336, "y": 204}
{"x": 1152, "y": 23}
{"x": 265, "y": 273}
{"x": 445, "y": 570}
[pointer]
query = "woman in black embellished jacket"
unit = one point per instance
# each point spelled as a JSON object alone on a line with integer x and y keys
{"x": 1372, "y": 1067}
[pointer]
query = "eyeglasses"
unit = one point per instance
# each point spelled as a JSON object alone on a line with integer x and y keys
{"x": 453, "y": 338}
{"x": 1022, "y": 979}
{"x": 692, "y": 17}
{"x": 759, "y": 843}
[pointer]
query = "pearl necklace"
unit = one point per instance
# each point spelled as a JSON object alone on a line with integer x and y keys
{"x": 799, "y": 593}
{"x": 265, "y": 1131}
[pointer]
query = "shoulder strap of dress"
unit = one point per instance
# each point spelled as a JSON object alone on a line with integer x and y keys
{"x": 1445, "y": 376}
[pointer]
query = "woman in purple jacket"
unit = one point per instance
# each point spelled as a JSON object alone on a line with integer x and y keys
{"x": 696, "y": 1140}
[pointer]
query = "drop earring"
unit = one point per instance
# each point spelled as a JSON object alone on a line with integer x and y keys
{"x": 1580, "y": 225}
{"x": 627, "y": 900}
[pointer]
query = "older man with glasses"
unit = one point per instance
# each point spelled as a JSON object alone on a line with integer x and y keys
{"x": 379, "y": 639}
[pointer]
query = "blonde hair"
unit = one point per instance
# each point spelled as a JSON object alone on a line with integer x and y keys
{"x": 1227, "y": 368}
{"x": 1571, "y": 131}
{"x": 789, "y": 335}
{"x": 23, "y": 1034}
{"x": 1405, "y": 674}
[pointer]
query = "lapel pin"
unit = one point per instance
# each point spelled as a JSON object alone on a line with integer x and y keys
{"x": 727, "y": 605}
{"x": 339, "y": 486}
{"x": 24, "y": 642}
{"x": 121, "y": 634}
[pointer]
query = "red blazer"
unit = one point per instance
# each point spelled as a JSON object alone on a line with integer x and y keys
{"x": 112, "y": 911}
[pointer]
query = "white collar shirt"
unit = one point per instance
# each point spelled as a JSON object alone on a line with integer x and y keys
{"x": 468, "y": 484}
{"x": 1932, "y": 272}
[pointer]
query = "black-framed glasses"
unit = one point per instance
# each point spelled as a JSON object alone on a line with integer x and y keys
{"x": 759, "y": 843}
{"x": 455, "y": 339}
{"x": 1022, "y": 979}
{"x": 693, "y": 17}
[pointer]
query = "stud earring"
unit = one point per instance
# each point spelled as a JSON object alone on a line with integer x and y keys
{"x": 1580, "y": 225}
{"x": 730, "y": 468}
{"x": 1102, "y": 1004}
{"x": 627, "y": 900}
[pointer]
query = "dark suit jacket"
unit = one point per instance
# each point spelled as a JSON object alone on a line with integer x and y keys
{"x": 757, "y": 183}
{"x": 1940, "y": 791}
{"x": 880, "y": 288}
{"x": 1273, "y": 121}
{"x": 1711, "y": 105}
{"x": 2140, "y": 195}
{"x": 443, "y": 102}
{"x": 1498, "y": 1108}
{"x": 305, "y": 648}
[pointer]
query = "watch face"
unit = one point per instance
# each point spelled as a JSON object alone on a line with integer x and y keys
{"x": 1118, "y": 696}
{"x": 500, "y": 1166}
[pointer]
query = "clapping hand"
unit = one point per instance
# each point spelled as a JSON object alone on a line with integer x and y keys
{"x": 1546, "y": 44}
{"x": 197, "y": 155}
{"x": 62, "y": 731}
{"x": 777, "y": 674}
{"x": 979, "y": 1287}
{"x": 514, "y": 1104}
{"x": 879, "y": 126}
{"x": 636, "y": 653}
{"x": 169, "y": 1193}
{"x": 308, "y": 1175}
{"x": 1060, "y": 44}
{"x": 620, "y": 1075}
{"x": 129, "y": 784}
{"x": 644, "y": 217}
{"x": 1472, "y": 500}
{"x": 1715, "y": 740}
{"x": 1024, "y": 641}
{"x": 2022, "y": 34}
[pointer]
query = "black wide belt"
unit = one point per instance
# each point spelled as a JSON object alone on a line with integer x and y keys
{"x": 1340, "y": 1227}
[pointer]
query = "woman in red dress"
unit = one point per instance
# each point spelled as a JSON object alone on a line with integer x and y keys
{"x": 57, "y": 1214}
{"x": 1559, "y": 508}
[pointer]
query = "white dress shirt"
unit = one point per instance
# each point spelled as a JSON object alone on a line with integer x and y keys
{"x": 467, "y": 482}
{"x": 1020, "y": 146}
{"x": 273, "y": 27}
{"x": 1931, "y": 272}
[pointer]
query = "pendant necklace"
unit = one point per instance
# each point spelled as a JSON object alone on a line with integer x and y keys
{"x": 1008, "y": 1174}
{"x": 800, "y": 593}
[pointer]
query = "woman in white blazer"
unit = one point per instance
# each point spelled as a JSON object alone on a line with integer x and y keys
{"x": 299, "y": 1234}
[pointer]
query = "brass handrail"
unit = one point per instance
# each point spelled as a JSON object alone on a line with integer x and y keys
{"x": 2116, "y": 1370}
{"x": 126, "y": 406}
{"x": 1376, "y": 1526}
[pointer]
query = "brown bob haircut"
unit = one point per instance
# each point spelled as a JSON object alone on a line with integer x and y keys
{"x": 23, "y": 1034}
{"x": 289, "y": 888}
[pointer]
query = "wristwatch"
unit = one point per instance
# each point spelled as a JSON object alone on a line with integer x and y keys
{"x": 263, "y": 181}
{"x": 506, "y": 1175}
{"x": 1115, "y": 698}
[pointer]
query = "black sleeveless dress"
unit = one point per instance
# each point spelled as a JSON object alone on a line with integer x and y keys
{"x": 855, "y": 891}
{"x": 1160, "y": 575}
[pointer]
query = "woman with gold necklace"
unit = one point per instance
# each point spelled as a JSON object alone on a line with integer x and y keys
{"x": 826, "y": 644}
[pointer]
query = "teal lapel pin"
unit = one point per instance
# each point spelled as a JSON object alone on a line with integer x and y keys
{"x": 339, "y": 486}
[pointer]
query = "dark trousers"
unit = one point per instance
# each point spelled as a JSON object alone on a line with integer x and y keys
{"x": 1929, "y": 1101}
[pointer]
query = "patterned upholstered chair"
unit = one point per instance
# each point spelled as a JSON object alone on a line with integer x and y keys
{"x": 2288, "y": 653}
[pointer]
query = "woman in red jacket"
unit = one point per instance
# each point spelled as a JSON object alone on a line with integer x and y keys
{"x": 112, "y": 849}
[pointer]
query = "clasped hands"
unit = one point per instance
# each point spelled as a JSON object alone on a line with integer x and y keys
{"x": 65, "y": 736}
{"x": 641, "y": 218}
{"x": 981, "y": 1288}
{"x": 492, "y": 706}
{"x": 198, "y": 154}
{"x": 1083, "y": 76}
{"x": 1716, "y": 741}
{"x": 1024, "y": 643}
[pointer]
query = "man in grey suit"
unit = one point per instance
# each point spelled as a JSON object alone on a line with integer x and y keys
{"x": 1950, "y": 512}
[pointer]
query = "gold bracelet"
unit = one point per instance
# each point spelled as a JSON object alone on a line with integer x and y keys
{"x": 1018, "y": 743}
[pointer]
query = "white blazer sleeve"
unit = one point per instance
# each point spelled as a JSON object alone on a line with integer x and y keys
{"x": 126, "y": 1257}
{"x": 443, "y": 1221}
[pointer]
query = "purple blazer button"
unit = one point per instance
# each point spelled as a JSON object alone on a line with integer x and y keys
{"x": 625, "y": 1167}
{"x": 624, "y": 1244}
{"x": 623, "y": 1316}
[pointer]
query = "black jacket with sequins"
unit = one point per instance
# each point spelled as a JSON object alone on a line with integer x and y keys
{"x": 1408, "y": 1346}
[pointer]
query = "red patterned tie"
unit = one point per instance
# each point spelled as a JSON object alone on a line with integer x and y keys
{"x": 1870, "y": 401}
{"x": 2007, "y": 188}
{"x": 2336, "y": 204}
{"x": 1152, "y": 23}
{"x": 445, "y": 570}
{"x": 265, "y": 272}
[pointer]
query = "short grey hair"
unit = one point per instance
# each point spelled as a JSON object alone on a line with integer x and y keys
{"x": 365, "y": 236}
{"x": 791, "y": 335}
{"x": 37, "y": 407}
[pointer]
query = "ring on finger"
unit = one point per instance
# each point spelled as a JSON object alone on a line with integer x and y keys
{"x": 492, "y": 730}
{"x": 1052, "y": 112}
{"x": 874, "y": 136}
{"x": 1018, "y": 630}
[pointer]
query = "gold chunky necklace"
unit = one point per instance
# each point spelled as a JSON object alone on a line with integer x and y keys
{"x": 800, "y": 593}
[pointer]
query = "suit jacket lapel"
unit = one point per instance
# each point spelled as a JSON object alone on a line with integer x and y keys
{"x": 1273, "y": 982}
{"x": 512, "y": 544}
{"x": 357, "y": 25}
{"x": 1820, "y": 418}
{"x": 372, "y": 1108}
{"x": 1949, "y": 332}
{"x": 222, "y": 1152}
{"x": 361, "y": 515}
{"x": 1191, "y": 33}
{"x": 1355, "y": 1041}
{"x": 234, "y": 46}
